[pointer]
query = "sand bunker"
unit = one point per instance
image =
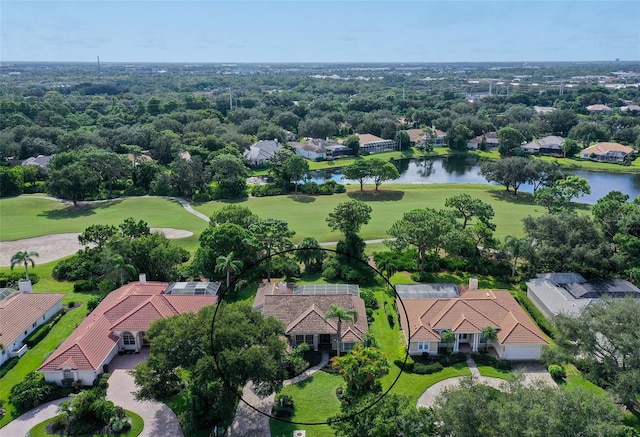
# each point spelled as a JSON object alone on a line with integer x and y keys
{"x": 56, "y": 246}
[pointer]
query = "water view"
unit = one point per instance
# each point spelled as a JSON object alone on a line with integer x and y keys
{"x": 466, "y": 170}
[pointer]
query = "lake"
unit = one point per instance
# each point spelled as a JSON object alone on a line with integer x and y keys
{"x": 466, "y": 170}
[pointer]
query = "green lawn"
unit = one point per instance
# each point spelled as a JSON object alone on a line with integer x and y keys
{"x": 580, "y": 164}
{"x": 575, "y": 379}
{"x": 315, "y": 402}
{"x": 26, "y": 216}
{"x": 137, "y": 425}
{"x": 492, "y": 372}
{"x": 31, "y": 360}
{"x": 307, "y": 214}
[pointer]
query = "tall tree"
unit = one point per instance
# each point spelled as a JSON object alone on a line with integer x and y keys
{"x": 25, "y": 258}
{"x": 359, "y": 171}
{"x": 236, "y": 214}
{"x": 311, "y": 255}
{"x": 516, "y": 247}
{"x": 337, "y": 312}
{"x": 510, "y": 172}
{"x": 382, "y": 171}
{"x": 119, "y": 270}
{"x": 272, "y": 235}
{"x": 361, "y": 370}
{"x": 297, "y": 168}
{"x": 225, "y": 265}
{"x": 468, "y": 208}
{"x": 509, "y": 140}
{"x": 348, "y": 217}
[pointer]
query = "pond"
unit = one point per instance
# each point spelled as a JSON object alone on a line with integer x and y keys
{"x": 466, "y": 170}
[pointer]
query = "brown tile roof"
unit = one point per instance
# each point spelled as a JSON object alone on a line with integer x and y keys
{"x": 473, "y": 311}
{"x": 20, "y": 310}
{"x": 416, "y": 135}
{"x": 132, "y": 307}
{"x": 368, "y": 138}
{"x": 602, "y": 148}
{"x": 304, "y": 314}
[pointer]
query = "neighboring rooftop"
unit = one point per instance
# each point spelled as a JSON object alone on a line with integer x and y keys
{"x": 197, "y": 288}
{"x": 319, "y": 289}
{"x": 40, "y": 160}
{"x": 427, "y": 291}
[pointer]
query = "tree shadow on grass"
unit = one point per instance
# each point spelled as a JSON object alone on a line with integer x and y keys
{"x": 302, "y": 198}
{"x": 376, "y": 196}
{"x": 507, "y": 196}
{"x": 82, "y": 210}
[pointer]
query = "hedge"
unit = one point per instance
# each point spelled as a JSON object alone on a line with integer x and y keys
{"x": 36, "y": 336}
{"x": 544, "y": 324}
{"x": 426, "y": 369}
{"x": 488, "y": 360}
{"x": 451, "y": 359}
{"x": 8, "y": 365}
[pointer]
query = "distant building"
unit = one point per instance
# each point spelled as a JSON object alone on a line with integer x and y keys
{"x": 40, "y": 161}
{"x": 608, "y": 152}
{"x": 630, "y": 108}
{"x": 259, "y": 153}
{"x": 373, "y": 144}
{"x": 543, "y": 110}
{"x": 599, "y": 109}
{"x": 570, "y": 293}
{"x": 490, "y": 139}
{"x": 314, "y": 148}
{"x": 549, "y": 145}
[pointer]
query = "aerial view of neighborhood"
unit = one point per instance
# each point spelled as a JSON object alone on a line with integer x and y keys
{"x": 379, "y": 242}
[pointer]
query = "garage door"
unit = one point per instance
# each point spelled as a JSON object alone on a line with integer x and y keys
{"x": 528, "y": 352}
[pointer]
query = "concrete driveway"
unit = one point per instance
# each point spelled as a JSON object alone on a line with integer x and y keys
{"x": 532, "y": 373}
{"x": 19, "y": 426}
{"x": 159, "y": 420}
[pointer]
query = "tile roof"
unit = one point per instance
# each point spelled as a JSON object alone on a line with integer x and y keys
{"x": 132, "y": 307}
{"x": 602, "y": 148}
{"x": 20, "y": 310}
{"x": 473, "y": 311}
{"x": 368, "y": 138}
{"x": 304, "y": 314}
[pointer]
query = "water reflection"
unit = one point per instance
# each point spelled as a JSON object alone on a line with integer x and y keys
{"x": 461, "y": 170}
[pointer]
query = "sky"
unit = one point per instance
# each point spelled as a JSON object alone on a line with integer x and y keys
{"x": 319, "y": 31}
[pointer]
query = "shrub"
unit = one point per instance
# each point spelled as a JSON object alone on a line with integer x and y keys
{"x": 33, "y": 391}
{"x": 557, "y": 372}
{"x": 407, "y": 367}
{"x": 451, "y": 359}
{"x": 36, "y": 336}
{"x": 427, "y": 369}
{"x": 83, "y": 285}
{"x": 266, "y": 190}
{"x": 488, "y": 360}
{"x": 369, "y": 315}
{"x": 535, "y": 313}
{"x": 94, "y": 302}
{"x": 391, "y": 320}
{"x": 370, "y": 300}
{"x": 8, "y": 365}
{"x": 283, "y": 406}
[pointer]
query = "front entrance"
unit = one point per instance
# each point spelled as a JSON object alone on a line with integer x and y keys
{"x": 464, "y": 338}
{"x": 324, "y": 341}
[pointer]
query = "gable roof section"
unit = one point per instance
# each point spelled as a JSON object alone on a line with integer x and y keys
{"x": 606, "y": 147}
{"x": 304, "y": 314}
{"x": 473, "y": 311}
{"x": 130, "y": 308}
{"x": 20, "y": 310}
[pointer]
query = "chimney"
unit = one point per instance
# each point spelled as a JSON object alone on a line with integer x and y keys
{"x": 143, "y": 279}
{"x": 25, "y": 286}
{"x": 473, "y": 283}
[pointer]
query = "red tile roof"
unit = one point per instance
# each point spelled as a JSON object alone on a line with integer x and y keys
{"x": 20, "y": 310}
{"x": 473, "y": 311}
{"x": 132, "y": 307}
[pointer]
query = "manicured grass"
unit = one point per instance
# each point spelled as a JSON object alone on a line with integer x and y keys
{"x": 307, "y": 214}
{"x": 31, "y": 360}
{"x": 492, "y": 372}
{"x": 25, "y": 216}
{"x": 580, "y": 164}
{"x": 315, "y": 402}
{"x": 137, "y": 425}
{"x": 575, "y": 379}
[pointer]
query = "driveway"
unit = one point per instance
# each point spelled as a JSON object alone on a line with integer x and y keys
{"x": 532, "y": 373}
{"x": 19, "y": 426}
{"x": 159, "y": 420}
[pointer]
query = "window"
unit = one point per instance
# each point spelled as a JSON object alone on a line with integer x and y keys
{"x": 299, "y": 339}
{"x": 309, "y": 339}
{"x": 346, "y": 347}
{"x": 34, "y": 324}
{"x": 128, "y": 339}
{"x": 67, "y": 374}
{"x": 423, "y": 346}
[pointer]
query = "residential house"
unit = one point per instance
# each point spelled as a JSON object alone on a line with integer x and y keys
{"x": 438, "y": 138}
{"x": 119, "y": 323}
{"x": 373, "y": 144}
{"x": 314, "y": 148}
{"x": 599, "y": 109}
{"x": 425, "y": 313}
{"x": 40, "y": 161}
{"x": 609, "y": 152}
{"x": 259, "y": 153}
{"x": 631, "y": 108}
{"x": 21, "y": 314}
{"x": 490, "y": 140}
{"x": 543, "y": 110}
{"x": 417, "y": 136}
{"x": 549, "y": 145}
{"x": 570, "y": 293}
{"x": 303, "y": 308}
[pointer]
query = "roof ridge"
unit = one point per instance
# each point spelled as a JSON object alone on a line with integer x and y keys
{"x": 303, "y": 315}
{"x": 134, "y": 310}
{"x": 526, "y": 328}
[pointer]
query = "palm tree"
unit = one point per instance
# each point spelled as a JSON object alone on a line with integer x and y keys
{"x": 227, "y": 265}
{"x": 447, "y": 337}
{"x": 387, "y": 266}
{"x": 489, "y": 334}
{"x": 337, "y": 312}
{"x": 119, "y": 269}
{"x": 516, "y": 247}
{"x": 26, "y": 258}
